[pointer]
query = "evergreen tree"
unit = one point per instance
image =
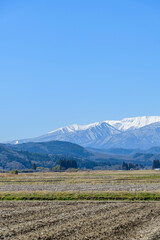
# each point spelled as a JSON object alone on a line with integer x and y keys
{"x": 156, "y": 164}
{"x": 34, "y": 167}
{"x": 65, "y": 164}
{"x": 124, "y": 166}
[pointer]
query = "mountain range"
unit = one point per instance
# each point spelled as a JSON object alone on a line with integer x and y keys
{"x": 129, "y": 133}
{"x": 47, "y": 154}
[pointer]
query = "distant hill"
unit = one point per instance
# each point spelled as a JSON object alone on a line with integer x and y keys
{"x": 47, "y": 154}
{"x": 11, "y": 159}
{"x": 135, "y": 156}
{"x": 53, "y": 147}
{"x": 116, "y": 151}
{"x": 123, "y": 151}
{"x": 153, "y": 150}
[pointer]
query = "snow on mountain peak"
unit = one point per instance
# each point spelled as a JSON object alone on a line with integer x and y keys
{"x": 75, "y": 127}
{"x": 128, "y": 132}
{"x": 135, "y": 122}
{"x": 121, "y": 125}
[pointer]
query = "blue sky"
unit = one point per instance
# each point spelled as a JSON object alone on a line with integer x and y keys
{"x": 65, "y": 62}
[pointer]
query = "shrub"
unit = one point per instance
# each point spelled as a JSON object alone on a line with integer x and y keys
{"x": 15, "y": 171}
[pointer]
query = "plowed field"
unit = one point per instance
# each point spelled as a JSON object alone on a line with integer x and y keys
{"x": 79, "y": 220}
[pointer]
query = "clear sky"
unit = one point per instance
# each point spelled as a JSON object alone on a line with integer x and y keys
{"x": 65, "y": 62}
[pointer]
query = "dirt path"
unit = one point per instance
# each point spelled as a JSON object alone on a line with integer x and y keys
{"x": 79, "y": 220}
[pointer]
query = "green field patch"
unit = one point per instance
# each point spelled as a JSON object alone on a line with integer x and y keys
{"x": 103, "y": 196}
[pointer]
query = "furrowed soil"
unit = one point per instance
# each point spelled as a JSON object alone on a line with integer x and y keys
{"x": 79, "y": 220}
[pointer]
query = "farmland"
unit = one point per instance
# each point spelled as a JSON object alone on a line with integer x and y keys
{"x": 83, "y": 181}
{"x": 82, "y": 217}
{"x": 79, "y": 220}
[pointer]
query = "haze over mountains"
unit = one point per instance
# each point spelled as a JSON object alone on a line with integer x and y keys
{"x": 129, "y": 133}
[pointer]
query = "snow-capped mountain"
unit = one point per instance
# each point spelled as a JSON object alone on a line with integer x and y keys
{"x": 138, "y": 132}
{"x": 82, "y": 135}
{"x": 141, "y": 138}
{"x": 132, "y": 123}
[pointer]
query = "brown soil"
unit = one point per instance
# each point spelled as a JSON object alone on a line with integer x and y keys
{"x": 79, "y": 220}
